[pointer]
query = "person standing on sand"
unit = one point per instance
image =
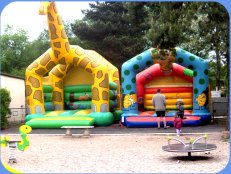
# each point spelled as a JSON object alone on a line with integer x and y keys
{"x": 180, "y": 111}
{"x": 159, "y": 103}
{"x": 178, "y": 124}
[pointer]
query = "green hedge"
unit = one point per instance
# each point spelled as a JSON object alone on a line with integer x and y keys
{"x": 5, "y": 111}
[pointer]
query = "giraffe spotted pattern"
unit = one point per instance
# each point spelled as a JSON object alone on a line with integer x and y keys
{"x": 57, "y": 61}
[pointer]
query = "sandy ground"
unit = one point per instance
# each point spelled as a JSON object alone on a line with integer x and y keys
{"x": 133, "y": 153}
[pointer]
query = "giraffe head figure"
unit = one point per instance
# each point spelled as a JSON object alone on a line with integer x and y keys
{"x": 43, "y": 8}
{"x": 165, "y": 58}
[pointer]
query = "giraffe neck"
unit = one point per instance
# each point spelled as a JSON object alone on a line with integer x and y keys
{"x": 58, "y": 38}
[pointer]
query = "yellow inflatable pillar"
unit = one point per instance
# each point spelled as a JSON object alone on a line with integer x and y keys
{"x": 34, "y": 93}
{"x": 100, "y": 90}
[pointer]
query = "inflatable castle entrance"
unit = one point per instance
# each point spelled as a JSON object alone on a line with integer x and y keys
{"x": 181, "y": 76}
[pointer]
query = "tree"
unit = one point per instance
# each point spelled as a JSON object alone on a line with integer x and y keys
{"x": 37, "y": 47}
{"x": 168, "y": 24}
{"x": 111, "y": 31}
{"x": 211, "y": 35}
{"x": 18, "y": 52}
{"x": 5, "y": 111}
{"x": 13, "y": 49}
{"x": 198, "y": 27}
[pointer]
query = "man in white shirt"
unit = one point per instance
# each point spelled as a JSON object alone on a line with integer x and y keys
{"x": 159, "y": 103}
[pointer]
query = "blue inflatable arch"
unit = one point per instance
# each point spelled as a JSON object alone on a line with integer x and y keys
{"x": 186, "y": 59}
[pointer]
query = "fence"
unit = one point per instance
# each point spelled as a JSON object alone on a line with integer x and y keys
{"x": 219, "y": 107}
{"x": 17, "y": 115}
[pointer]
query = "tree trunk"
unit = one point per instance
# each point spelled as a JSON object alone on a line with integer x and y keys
{"x": 218, "y": 73}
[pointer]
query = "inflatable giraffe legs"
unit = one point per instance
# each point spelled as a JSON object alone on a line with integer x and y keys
{"x": 34, "y": 74}
{"x": 57, "y": 74}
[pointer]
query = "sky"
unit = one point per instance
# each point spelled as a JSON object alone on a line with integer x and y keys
{"x": 25, "y": 15}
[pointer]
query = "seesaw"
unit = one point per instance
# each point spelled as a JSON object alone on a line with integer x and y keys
{"x": 191, "y": 146}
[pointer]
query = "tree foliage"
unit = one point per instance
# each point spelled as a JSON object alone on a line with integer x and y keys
{"x": 211, "y": 35}
{"x": 114, "y": 29}
{"x": 17, "y": 52}
{"x": 13, "y": 50}
{"x": 5, "y": 111}
{"x": 121, "y": 30}
{"x": 168, "y": 24}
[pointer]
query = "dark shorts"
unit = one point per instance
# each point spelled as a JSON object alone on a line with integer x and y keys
{"x": 180, "y": 115}
{"x": 160, "y": 113}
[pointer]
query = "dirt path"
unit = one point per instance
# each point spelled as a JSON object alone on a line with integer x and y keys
{"x": 134, "y": 153}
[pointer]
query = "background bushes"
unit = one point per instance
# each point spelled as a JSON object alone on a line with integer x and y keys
{"x": 5, "y": 111}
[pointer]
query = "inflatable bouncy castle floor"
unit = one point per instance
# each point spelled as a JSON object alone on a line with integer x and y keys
{"x": 77, "y": 109}
{"x": 70, "y": 86}
{"x": 181, "y": 76}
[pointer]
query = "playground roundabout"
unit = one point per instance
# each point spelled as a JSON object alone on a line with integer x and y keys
{"x": 117, "y": 153}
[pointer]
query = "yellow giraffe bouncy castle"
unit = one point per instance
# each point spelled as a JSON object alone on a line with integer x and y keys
{"x": 68, "y": 85}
